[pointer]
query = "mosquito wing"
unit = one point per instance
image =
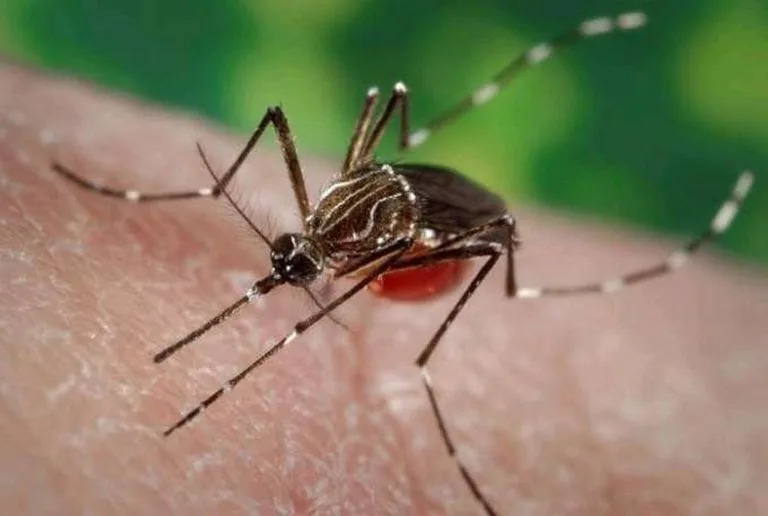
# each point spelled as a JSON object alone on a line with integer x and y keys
{"x": 449, "y": 202}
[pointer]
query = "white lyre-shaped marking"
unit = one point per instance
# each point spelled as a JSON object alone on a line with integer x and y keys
{"x": 371, "y": 220}
{"x": 340, "y": 184}
{"x": 331, "y": 220}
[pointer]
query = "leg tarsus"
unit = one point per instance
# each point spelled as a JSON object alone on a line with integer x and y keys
{"x": 719, "y": 224}
{"x": 273, "y": 115}
{"x": 534, "y": 55}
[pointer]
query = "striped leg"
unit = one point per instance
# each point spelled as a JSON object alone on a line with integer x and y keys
{"x": 399, "y": 99}
{"x": 493, "y": 254}
{"x": 462, "y": 247}
{"x": 387, "y": 256}
{"x": 535, "y": 55}
{"x": 492, "y": 251}
{"x": 364, "y": 140}
{"x": 360, "y": 132}
{"x": 273, "y": 116}
{"x": 258, "y": 289}
{"x": 720, "y": 223}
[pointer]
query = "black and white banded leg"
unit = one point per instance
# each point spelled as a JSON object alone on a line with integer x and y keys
{"x": 493, "y": 254}
{"x": 364, "y": 138}
{"x": 362, "y": 145}
{"x": 457, "y": 249}
{"x": 259, "y": 288}
{"x": 398, "y": 99}
{"x": 719, "y": 224}
{"x": 535, "y": 55}
{"x": 274, "y": 116}
{"x": 387, "y": 256}
{"x": 360, "y": 132}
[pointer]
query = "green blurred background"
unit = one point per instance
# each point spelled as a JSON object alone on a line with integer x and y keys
{"x": 648, "y": 128}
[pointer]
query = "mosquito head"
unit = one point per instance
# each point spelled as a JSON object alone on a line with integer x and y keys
{"x": 296, "y": 259}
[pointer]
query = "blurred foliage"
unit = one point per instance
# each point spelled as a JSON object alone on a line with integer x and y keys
{"x": 649, "y": 127}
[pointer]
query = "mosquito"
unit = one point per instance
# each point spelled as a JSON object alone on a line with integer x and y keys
{"x": 402, "y": 229}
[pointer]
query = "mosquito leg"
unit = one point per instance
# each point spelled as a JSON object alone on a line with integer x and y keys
{"x": 136, "y": 196}
{"x": 258, "y": 289}
{"x": 512, "y": 243}
{"x": 536, "y": 54}
{"x": 423, "y": 359}
{"x": 215, "y": 321}
{"x": 230, "y": 200}
{"x": 389, "y": 255}
{"x": 288, "y": 149}
{"x": 276, "y": 117}
{"x": 129, "y": 195}
{"x": 273, "y": 115}
{"x": 720, "y": 223}
{"x": 360, "y": 132}
{"x": 505, "y": 220}
{"x": 449, "y": 251}
{"x": 399, "y": 99}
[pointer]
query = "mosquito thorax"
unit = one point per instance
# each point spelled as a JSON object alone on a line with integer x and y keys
{"x": 296, "y": 259}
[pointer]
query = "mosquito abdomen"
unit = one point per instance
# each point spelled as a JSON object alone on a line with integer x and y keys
{"x": 419, "y": 283}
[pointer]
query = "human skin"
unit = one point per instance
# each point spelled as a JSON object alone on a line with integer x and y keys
{"x": 648, "y": 401}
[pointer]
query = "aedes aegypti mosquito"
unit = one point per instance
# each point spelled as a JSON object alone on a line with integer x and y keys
{"x": 402, "y": 227}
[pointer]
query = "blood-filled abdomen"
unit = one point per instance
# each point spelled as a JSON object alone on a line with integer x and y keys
{"x": 419, "y": 283}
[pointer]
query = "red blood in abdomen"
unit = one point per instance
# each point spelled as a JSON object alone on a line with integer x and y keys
{"x": 420, "y": 282}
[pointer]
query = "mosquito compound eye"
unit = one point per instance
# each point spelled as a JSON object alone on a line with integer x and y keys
{"x": 296, "y": 258}
{"x": 284, "y": 245}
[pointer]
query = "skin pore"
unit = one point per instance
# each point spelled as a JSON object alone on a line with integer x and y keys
{"x": 650, "y": 401}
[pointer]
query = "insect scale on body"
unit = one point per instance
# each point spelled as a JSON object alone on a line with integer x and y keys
{"x": 405, "y": 230}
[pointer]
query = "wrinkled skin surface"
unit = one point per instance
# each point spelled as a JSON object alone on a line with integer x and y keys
{"x": 650, "y": 401}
